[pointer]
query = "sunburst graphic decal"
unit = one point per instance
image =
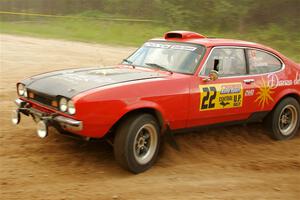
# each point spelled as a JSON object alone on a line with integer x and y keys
{"x": 264, "y": 94}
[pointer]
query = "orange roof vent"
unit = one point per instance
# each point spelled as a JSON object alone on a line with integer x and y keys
{"x": 183, "y": 35}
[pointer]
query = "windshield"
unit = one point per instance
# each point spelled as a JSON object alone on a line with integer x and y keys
{"x": 168, "y": 56}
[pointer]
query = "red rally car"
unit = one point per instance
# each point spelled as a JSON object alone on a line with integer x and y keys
{"x": 180, "y": 82}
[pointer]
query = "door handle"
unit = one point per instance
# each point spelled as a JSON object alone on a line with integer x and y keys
{"x": 249, "y": 81}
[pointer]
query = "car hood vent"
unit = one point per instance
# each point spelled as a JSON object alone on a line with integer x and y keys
{"x": 183, "y": 35}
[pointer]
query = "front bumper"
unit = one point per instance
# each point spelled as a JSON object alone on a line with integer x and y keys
{"x": 50, "y": 119}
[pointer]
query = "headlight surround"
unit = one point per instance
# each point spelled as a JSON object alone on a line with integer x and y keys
{"x": 21, "y": 89}
{"x": 63, "y": 104}
{"x": 71, "y": 108}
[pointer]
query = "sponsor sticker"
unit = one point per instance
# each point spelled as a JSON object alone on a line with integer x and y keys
{"x": 264, "y": 94}
{"x": 274, "y": 81}
{"x": 169, "y": 46}
{"x": 249, "y": 93}
{"x": 221, "y": 96}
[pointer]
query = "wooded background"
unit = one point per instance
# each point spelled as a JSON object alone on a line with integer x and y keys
{"x": 218, "y": 15}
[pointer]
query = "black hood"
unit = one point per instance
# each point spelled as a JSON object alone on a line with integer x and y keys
{"x": 69, "y": 83}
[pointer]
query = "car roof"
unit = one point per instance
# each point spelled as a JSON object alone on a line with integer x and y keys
{"x": 196, "y": 38}
{"x": 211, "y": 42}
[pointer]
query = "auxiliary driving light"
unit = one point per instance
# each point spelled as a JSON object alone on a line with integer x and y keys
{"x": 15, "y": 117}
{"x": 71, "y": 108}
{"x": 42, "y": 129}
{"x": 63, "y": 104}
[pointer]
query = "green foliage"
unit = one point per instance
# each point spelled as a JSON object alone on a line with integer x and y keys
{"x": 220, "y": 15}
{"x": 271, "y": 22}
{"x": 134, "y": 34}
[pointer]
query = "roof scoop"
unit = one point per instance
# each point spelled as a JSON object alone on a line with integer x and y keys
{"x": 183, "y": 35}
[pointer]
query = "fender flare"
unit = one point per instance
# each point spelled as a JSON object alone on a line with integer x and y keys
{"x": 144, "y": 106}
{"x": 285, "y": 93}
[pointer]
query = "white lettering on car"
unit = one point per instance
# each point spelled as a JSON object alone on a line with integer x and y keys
{"x": 168, "y": 46}
{"x": 297, "y": 79}
{"x": 249, "y": 93}
{"x": 274, "y": 81}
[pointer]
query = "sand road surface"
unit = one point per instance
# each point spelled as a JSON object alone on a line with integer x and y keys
{"x": 239, "y": 162}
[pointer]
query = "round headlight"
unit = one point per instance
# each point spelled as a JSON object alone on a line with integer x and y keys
{"x": 25, "y": 92}
{"x": 71, "y": 108}
{"x": 21, "y": 89}
{"x": 63, "y": 104}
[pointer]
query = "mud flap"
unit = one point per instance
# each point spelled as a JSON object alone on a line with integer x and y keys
{"x": 170, "y": 139}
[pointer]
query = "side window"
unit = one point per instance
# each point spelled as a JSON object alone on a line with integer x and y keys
{"x": 261, "y": 62}
{"x": 227, "y": 61}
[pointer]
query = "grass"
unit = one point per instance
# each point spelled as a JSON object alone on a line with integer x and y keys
{"x": 130, "y": 34}
{"x": 135, "y": 34}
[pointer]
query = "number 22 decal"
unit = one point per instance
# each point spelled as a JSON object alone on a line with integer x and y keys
{"x": 221, "y": 96}
{"x": 208, "y": 99}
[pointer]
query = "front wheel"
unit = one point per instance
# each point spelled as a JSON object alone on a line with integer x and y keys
{"x": 284, "y": 120}
{"x": 136, "y": 143}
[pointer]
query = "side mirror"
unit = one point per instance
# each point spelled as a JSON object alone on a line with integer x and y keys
{"x": 213, "y": 75}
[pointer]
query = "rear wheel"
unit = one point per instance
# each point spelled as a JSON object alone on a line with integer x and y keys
{"x": 136, "y": 143}
{"x": 284, "y": 120}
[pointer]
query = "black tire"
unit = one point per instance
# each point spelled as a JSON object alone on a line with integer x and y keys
{"x": 284, "y": 121}
{"x": 133, "y": 149}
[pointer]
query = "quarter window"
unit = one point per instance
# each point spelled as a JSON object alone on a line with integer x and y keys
{"x": 261, "y": 62}
{"x": 227, "y": 61}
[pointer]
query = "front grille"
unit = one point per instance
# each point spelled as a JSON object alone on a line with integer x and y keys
{"x": 41, "y": 98}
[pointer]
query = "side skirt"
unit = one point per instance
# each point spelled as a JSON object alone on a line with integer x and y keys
{"x": 255, "y": 117}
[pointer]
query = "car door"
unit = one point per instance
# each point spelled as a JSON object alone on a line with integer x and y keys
{"x": 224, "y": 99}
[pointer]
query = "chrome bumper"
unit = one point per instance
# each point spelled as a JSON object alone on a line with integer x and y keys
{"x": 51, "y": 119}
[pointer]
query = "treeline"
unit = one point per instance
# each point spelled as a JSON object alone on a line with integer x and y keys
{"x": 236, "y": 15}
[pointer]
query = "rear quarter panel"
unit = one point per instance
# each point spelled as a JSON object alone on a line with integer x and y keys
{"x": 288, "y": 82}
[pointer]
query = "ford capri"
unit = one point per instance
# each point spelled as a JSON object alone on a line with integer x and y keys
{"x": 181, "y": 82}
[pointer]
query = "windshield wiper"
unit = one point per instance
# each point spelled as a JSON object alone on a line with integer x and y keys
{"x": 129, "y": 62}
{"x": 159, "y": 67}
